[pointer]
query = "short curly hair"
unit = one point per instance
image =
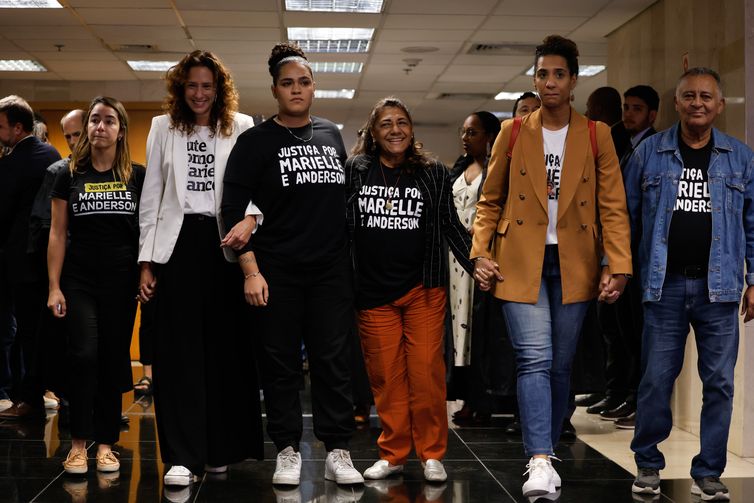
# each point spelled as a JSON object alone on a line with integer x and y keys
{"x": 559, "y": 46}
{"x": 226, "y": 98}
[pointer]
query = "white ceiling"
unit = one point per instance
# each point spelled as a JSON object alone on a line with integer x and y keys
{"x": 242, "y": 32}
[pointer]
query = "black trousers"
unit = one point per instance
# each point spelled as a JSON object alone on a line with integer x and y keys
{"x": 622, "y": 324}
{"x": 29, "y": 303}
{"x": 147, "y": 327}
{"x": 205, "y": 386}
{"x": 315, "y": 306}
{"x": 100, "y": 321}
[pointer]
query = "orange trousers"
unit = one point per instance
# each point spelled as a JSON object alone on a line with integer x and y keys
{"x": 403, "y": 350}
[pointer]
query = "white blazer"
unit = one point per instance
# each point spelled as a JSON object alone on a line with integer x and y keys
{"x": 164, "y": 192}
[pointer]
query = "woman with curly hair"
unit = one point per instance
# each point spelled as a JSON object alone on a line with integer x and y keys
{"x": 296, "y": 268}
{"x": 401, "y": 213}
{"x": 94, "y": 202}
{"x": 206, "y": 405}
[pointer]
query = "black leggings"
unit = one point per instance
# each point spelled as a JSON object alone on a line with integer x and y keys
{"x": 100, "y": 321}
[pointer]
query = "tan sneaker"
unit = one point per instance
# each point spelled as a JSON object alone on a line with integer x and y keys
{"x": 75, "y": 462}
{"x": 107, "y": 462}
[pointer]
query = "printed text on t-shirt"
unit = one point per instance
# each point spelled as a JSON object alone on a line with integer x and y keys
{"x": 693, "y": 192}
{"x": 390, "y": 207}
{"x": 553, "y": 166}
{"x": 310, "y": 164}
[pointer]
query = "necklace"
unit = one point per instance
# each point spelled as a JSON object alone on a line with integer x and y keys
{"x": 305, "y": 140}
{"x": 198, "y": 134}
{"x": 389, "y": 202}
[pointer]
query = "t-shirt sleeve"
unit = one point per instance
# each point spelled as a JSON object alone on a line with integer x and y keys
{"x": 237, "y": 184}
{"x": 61, "y": 187}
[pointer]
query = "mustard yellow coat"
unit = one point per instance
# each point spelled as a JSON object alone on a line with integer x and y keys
{"x": 511, "y": 220}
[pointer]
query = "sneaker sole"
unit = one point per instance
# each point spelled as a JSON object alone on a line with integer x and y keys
{"x": 379, "y": 476}
{"x": 76, "y": 470}
{"x": 625, "y": 427}
{"x": 285, "y": 481}
{"x": 709, "y": 497}
{"x": 177, "y": 481}
{"x": 536, "y": 492}
{"x": 344, "y": 480}
{"x": 108, "y": 469}
{"x": 644, "y": 490}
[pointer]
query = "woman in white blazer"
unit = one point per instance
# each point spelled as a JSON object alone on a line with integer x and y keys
{"x": 201, "y": 359}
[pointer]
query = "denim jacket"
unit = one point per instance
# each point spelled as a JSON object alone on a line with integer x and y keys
{"x": 651, "y": 180}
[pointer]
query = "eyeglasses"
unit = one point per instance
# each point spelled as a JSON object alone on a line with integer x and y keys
{"x": 468, "y": 132}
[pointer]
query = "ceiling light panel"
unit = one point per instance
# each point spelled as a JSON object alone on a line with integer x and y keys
{"x": 20, "y": 65}
{"x": 30, "y": 4}
{"x": 337, "y": 67}
{"x": 300, "y": 33}
{"x": 346, "y": 94}
{"x": 509, "y": 96}
{"x": 373, "y": 6}
{"x": 151, "y": 66}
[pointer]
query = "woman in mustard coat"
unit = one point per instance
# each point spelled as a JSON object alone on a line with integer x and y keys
{"x": 548, "y": 216}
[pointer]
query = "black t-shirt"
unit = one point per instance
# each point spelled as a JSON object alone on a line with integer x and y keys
{"x": 296, "y": 179}
{"x": 102, "y": 217}
{"x": 690, "y": 233}
{"x": 389, "y": 236}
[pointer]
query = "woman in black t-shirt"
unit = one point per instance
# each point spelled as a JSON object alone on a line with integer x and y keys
{"x": 400, "y": 213}
{"x": 296, "y": 266}
{"x": 92, "y": 282}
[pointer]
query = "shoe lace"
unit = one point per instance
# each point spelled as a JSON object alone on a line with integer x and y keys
{"x": 535, "y": 467}
{"x": 109, "y": 456}
{"x": 76, "y": 454}
{"x": 288, "y": 459}
{"x": 341, "y": 459}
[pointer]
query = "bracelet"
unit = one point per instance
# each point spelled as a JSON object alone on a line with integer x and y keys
{"x": 252, "y": 275}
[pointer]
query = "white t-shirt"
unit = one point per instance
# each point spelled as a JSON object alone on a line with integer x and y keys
{"x": 200, "y": 182}
{"x": 554, "y": 145}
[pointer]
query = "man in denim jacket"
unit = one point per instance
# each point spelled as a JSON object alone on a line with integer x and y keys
{"x": 690, "y": 191}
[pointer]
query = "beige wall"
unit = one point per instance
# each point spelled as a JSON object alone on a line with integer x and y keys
{"x": 650, "y": 49}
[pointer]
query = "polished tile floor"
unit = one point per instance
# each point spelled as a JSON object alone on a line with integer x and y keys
{"x": 484, "y": 465}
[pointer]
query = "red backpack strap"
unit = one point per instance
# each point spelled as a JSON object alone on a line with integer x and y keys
{"x": 514, "y": 135}
{"x": 593, "y": 139}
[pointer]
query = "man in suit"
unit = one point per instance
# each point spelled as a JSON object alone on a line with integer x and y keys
{"x": 624, "y": 318}
{"x": 22, "y": 171}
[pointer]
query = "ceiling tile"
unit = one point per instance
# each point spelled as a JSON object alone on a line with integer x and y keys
{"x": 116, "y": 35}
{"x": 31, "y": 32}
{"x": 413, "y": 36}
{"x": 37, "y": 17}
{"x": 537, "y": 7}
{"x": 136, "y": 16}
{"x": 555, "y": 24}
{"x": 482, "y": 7}
{"x": 235, "y": 34}
{"x": 225, "y": 18}
{"x": 430, "y": 21}
{"x": 247, "y": 5}
{"x": 486, "y": 73}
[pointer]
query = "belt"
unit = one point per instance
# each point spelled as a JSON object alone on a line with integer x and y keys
{"x": 690, "y": 271}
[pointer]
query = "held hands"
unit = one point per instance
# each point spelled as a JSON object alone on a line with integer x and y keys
{"x": 747, "y": 304}
{"x": 56, "y": 303}
{"x": 147, "y": 283}
{"x": 239, "y": 235}
{"x": 255, "y": 290}
{"x": 611, "y": 286}
{"x": 486, "y": 271}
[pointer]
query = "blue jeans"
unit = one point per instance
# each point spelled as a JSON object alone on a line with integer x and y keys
{"x": 544, "y": 336}
{"x": 685, "y": 302}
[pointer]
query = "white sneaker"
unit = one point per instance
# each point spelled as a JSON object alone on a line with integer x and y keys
{"x": 434, "y": 471}
{"x": 51, "y": 401}
{"x": 339, "y": 467}
{"x": 381, "y": 469}
{"x": 5, "y": 404}
{"x": 290, "y": 495}
{"x": 178, "y": 476}
{"x": 287, "y": 467}
{"x": 541, "y": 480}
{"x": 555, "y": 477}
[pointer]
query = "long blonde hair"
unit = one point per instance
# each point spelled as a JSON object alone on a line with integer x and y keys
{"x": 82, "y": 152}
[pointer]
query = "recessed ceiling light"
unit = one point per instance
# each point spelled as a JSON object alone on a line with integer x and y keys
{"x": 334, "y": 5}
{"x": 332, "y": 39}
{"x": 503, "y": 115}
{"x": 419, "y": 49}
{"x": 151, "y": 66}
{"x": 30, "y": 4}
{"x": 584, "y": 70}
{"x": 509, "y": 96}
{"x": 339, "y": 125}
{"x": 337, "y": 67}
{"x": 590, "y": 70}
{"x": 346, "y": 94}
{"x": 20, "y": 65}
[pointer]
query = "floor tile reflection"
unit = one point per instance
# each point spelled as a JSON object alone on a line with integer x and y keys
{"x": 484, "y": 465}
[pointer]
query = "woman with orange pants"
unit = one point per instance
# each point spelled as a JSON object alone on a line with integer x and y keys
{"x": 400, "y": 212}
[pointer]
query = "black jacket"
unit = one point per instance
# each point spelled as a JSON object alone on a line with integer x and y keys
{"x": 21, "y": 174}
{"x": 440, "y": 219}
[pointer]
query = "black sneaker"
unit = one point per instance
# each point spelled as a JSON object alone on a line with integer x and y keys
{"x": 647, "y": 481}
{"x": 710, "y": 489}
